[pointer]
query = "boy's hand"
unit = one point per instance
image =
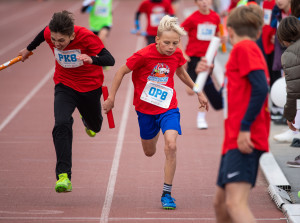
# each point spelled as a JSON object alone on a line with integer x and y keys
{"x": 85, "y": 58}
{"x": 108, "y": 105}
{"x": 203, "y": 101}
{"x": 244, "y": 142}
{"x": 24, "y": 53}
{"x": 290, "y": 124}
{"x": 203, "y": 66}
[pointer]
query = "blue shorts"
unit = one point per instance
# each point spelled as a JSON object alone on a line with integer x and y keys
{"x": 238, "y": 167}
{"x": 150, "y": 125}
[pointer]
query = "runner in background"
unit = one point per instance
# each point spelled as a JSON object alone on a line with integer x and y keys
{"x": 247, "y": 119}
{"x": 154, "y": 11}
{"x": 78, "y": 77}
{"x": 153, "y": 69}
{"x": 100, "y": 17}
{"x": 201, "y": 26}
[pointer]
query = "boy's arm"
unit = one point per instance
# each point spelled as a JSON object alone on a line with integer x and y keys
{"x": 259, "y": 93}
{"x": 185, "y": 78}
{"x": 109, "y": 103}
{"x": 33, "y": 45}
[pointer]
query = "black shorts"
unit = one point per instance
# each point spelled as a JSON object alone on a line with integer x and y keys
{"x": 238, "y": 167}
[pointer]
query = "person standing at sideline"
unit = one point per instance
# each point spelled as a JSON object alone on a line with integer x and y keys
{"x": 153, "y": 69}
{"x": 78, "y": 77}
{"x": 247, "y": 118}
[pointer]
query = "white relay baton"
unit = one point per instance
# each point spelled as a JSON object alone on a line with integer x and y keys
{"x": 210, "y": 53}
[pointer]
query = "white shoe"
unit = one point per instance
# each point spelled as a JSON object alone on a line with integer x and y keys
{"x": 201, "y": 123}
{"x": 286, "y": 136}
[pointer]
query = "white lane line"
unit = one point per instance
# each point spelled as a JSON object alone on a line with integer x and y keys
{"x": 115, "y": 165}
{"x": 29, "y": 35}
{"x": 26, "y": 99}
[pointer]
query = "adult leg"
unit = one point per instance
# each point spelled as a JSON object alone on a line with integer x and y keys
{"x": 221, "y": 212}
{"x": 237, "y": 195}
{"x": 64, "y": 106}
{"x": 170, "y": 149}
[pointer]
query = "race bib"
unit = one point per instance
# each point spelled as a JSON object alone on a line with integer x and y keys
{"x": 67, "y": 59}
{"x": 155, "y": 18}
{"x": 267, "y": 16}
{"x": 102, "y": 11}
{"x": 157, "y": 94}
{"x": 206, "y": 31}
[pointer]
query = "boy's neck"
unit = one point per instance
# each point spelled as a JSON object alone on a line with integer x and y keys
{"x": 204, "y": 12}
{"x": 238, "y": 39}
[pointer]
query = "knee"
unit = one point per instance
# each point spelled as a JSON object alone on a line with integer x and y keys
{"x": 232, "y": 206}
{"x": 170, "y": 148}
{"x": 149, "y": 153}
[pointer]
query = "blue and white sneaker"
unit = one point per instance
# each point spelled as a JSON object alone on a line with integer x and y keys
{"x": 167, "y": 202}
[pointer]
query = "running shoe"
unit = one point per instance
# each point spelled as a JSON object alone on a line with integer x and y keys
{"x": 295, "y": 163}
{"x": 63, "y": 184}
{"x": 90, "y": 133}
{"x": 287, "y": 136}
{"x": 167, "y": 202}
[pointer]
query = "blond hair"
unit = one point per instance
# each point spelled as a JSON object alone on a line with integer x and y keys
{"x": 168, "y": 23}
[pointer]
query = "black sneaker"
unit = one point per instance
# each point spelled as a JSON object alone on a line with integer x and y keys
{"x": 295, "y": 163}
{"x": 295, "y": 142}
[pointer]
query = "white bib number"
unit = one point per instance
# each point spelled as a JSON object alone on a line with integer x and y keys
{"x": 206, "y": 31}
{"x": 67, "y": 59}
{"x": 101, "y": 11}
{"x": 267, "y": 16}
{"x": 157, "y": 94}
{"x": 155, "y": 18}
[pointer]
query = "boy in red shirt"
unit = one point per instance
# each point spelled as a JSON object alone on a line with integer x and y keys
{"x": 247, "y": 119}
{"x": 201, "y": 26}
{"x": 78, "y": 78}
{"x": 154, "y": 10}
{"x": 153, "y": 69}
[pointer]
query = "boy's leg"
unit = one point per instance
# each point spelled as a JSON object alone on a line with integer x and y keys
{"x": 149, "y": 145}
{"x": 221, "y": 212}
{"x": 103, "y": 34}
{"x": 89, "y": 107}
{"x": 64, "y": 106}
{"x": 237, "y": 195}
{"x": 170, "y": 152}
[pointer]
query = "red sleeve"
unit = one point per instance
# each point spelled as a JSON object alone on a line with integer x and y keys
{"x": 186, "y": 24}
{"x": 182, "y": 60}
{"x": 95, "y": 45}
{"x": 135, "y": 61}
{"x": 169, "y": 9}
{"x": 143, "y": 7}
{"x": 248, "y": 60}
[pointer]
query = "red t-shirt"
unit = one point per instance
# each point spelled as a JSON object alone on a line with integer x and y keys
{"x": 155, "y": 11}
{"x": 244, "y": 58}
{"x": 72, "y": 72}
{"x": 149, "y": 65}
{"x": 201, "y": 28}
{"x": 267, "y": 30}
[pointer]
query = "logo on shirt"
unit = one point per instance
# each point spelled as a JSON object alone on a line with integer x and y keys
{"x": 160, "y": 74}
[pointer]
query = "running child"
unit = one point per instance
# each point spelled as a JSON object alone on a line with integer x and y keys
{"x": 247, "y": 119}
{"x": 201, "y": 27}
{"x": 153, "y": 69}
{"x": 100, "y": 18}
{"x": 78, "y": 77}
{"x": 154, "y": 10}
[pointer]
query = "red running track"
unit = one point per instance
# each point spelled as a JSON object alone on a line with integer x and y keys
{"x": 113, "y": 181}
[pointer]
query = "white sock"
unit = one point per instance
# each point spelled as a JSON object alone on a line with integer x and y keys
{"x": 201, "y": 115}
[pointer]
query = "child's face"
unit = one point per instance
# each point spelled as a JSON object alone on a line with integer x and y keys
{"x": 203, "y": 5}
{"x": 283, "y": 4}
{"x": 167, "y": 43}
{"x": 61, "y": 41}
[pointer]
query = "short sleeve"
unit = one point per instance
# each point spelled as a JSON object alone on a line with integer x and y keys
{"x": 95, "y": 45}
{"x": 143, "y": 7}
{"x": 186, "y": 25}
{"x": 135, "y": 61}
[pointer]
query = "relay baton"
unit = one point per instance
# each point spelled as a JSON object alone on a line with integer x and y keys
{"x": 12, "y": 61}
{"x": 210, "y": 53}
{"x": 221, "y": 28}
{"x": 110, "y": 117}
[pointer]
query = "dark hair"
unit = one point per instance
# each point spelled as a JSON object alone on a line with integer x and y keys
{"x": 288, "y": 29}
{"x": 295, "y": 8}
{"x": 62, "y": 22}
{"x": 246, "y": 20}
